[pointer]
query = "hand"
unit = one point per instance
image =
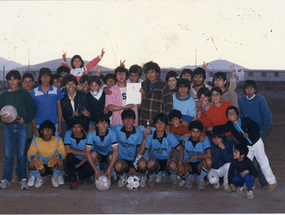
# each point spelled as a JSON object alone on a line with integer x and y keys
{"x": 245, "y": 135}
{"x": 38, "y": 163}
{"x": 211, "y": 128}
{"x": 76, "y": 166}
{"x": 132, "y": 172}
{"x": 146, "y": 132}
{"x": 20, "y": 120}
{"x": 75, "y": 113}
{"x": 198, "y": 104}
{"x": 102, "y": 52}
{"x": 108, "y": 173}
{"x": 6, "y": 118}
{"x": 167, "y": 128}
{"x": 85, "y": 112}
{"x": 243, "y": 173}
{"x": 64, "y": 56}
{"x": 233, "y": 187}
{"x": 105, "y": 110}
{"x": 107, "y": 91}
{"x": 205, "y": 66}
{"x": 129, "y": 106}
{"x": 199, "y": 115}
{"x": 35, "y": 132}
{"x": 190, "y": 159}
{"x": 98, "y": 71}
{"x": 184, "y": 123}
{"x": 97, "y": 172}
{"x": 233, "y": 72}
{"x": 186, "y": 136}
{"x": 122, "y": 63}
{"x": 202, "y": 138}
{"x": 221, "y": 145}
{"x": 170, "y": 159}
{"x": 92, "y": 129}
{"x": 85, "y": 71}
{"x": 52, "y": 161}
{"x": 59, "y": 129}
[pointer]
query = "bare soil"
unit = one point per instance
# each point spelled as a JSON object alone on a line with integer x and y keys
{"x": 161, "y": 198}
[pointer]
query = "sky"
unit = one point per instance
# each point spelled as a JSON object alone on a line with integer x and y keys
{"x": 171, "y": 33}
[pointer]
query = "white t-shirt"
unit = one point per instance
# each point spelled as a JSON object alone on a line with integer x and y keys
{"x": 124, "y": 95}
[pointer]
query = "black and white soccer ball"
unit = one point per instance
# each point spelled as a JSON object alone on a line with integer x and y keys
{"x": 102, "y": 183}
{"x": 133, "y": 183}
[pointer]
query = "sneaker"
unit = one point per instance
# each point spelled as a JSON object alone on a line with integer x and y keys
{"x": 79, "y": 181}
{"x": 165, "y": 177}
{"x": 201, "y": 184}
{"x": 15, "y": 179}
{"x": 265, "y": 186}
{"x": 249, "y": 194}
{"x": 217, "y": 186}
{"x": 89, "y": 181}
{"x": 150, "y": 181}
{"x": 143, "y": 181}
{"x": 54, "y": 182}
{"x": 4, "y": 184}
{"x": 174, "y": 182}
{"x": 158, "y": 178}
{"x": 189, "y": 182}
{"x": 24, "y": 185}
{"x": 39, "y": 182}
{"x": 242, "y": 189}
{"x": 73, "y": 185}
{"x": 181, "y": 182}
{"x": 227, "y": 187}
{"x": 60, "y": 180}
{"x": 270, "y": 187}
{"x": 121, "y": 181}
{"x": 31, "y": 181}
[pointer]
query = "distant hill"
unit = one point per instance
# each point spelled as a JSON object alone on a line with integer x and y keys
{"x": 9, "y": 65}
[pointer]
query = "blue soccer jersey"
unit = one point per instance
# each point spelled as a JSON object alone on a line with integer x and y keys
{"x": 199, "y": 148}
{"x": 69, "y": 140}
{"x": 161, "y": 147}
{"x": 102, "y": 144}
{"x": 128, "y": 142}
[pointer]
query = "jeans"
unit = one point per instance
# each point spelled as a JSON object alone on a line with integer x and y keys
{"x": 15, "y": 135}
{"x": 239, "y": 181}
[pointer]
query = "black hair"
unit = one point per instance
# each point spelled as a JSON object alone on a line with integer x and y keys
{"x": 83, "y": 79}
{"x": 183, "y": 83}
{"x": 150, "y": 66}
{"x": 196, "y": 124}
{"x": 109, "y": 76}
{"x": 62, "y": 69}
{"x": 232, "y": 108}
{"x": 242, "y": 148}
{"x": 161, "y": 117}
{"x": 171, "y": 74}
{"x": 28, "y": 75}
{"x": 250, "y": 83}
{"x": 220, "y": 75}
{"x": 136, "y": 69}
{"x": 46, "y": 124}
{"x": 121, "y": 69}
{"x": 77, "y": 57}
{"x": 15, "y": 74}
{"x": 174, "y": 113}
{"x": 76, "y": 120}
{"x": 219, "y": 134}
{"x": 69, "y": 78}
{"x": 186, "y": 71}
{"x": 204, "y": 91}
{"x": 56, "y": 76}
{"x": 128, "y": 114}
{"x": 217, "y": 89}
{"x": 44, "y": 71}
{"x": 199, "y": 71}
{"x": 94, "y": 78}
{"x": 102, "y": 118}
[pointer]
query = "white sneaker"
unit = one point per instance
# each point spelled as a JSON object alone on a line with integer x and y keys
{"x": 201, "y": 184}
{"x": 54, "y": 182}
{"x": 227, "y": 187}
{"x": 217, "y": 186}
{"x": 143, "y": 181}
{"x": 4, "y": 184}
{"x": 181, "y": 182}
{"x": 121, "y": 181}
{"x": 31, "y": 181}
{"x": 249, "y": 194}
{"x": 24, "y": 185}
{"x": 39, "y": 182}
{"x": 15, "y": 179}
{"x": 158, "y": 178}
{"x": 60, "y": 180}
{"x": 165, "y": 177}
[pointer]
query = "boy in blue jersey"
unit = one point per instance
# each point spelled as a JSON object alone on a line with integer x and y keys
{"x": 102, "y": 146}
{"x": 161, "y": 144}
{"x": 129, "y": 139}
{"x": 75, "y": 143}
{"x": 197, "y": 157}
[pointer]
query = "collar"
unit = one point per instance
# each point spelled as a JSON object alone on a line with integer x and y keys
{"x": 251, "y": 97}
{"x": 82, "y": 138}
{"x": 40, "y": 88}
{"x": 187, "y": 97}
{"x": 97, "y": 133}
{"x": 73, "y": 96}
{"x": 99, "y": 94}
{"x": 205, "y": 108}
{"x": 193, "y": 142}
{"x": 128, "y": 133}
{"x": 159, "y": 138}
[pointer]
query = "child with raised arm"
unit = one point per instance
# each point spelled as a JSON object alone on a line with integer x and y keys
{"x": 77, "y": 64}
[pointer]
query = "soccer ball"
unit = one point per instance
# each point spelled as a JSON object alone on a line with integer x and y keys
{"x": 103, "y": 183}
{"x": 10, "y": 111}
{"x": 133, "y": 182}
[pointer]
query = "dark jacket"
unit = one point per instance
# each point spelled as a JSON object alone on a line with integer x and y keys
{"x": 221, "y": 156}
{"x": 95, "y": 107}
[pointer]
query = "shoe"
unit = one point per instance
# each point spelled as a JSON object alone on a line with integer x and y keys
{"x": 39, "y": 182}
{"x": 174, "y": 182}
{"x": 249, "y": 194}
{"x": 150, "y": 181}
{"x": 217, "y": 186}
{"x": 158, "y": 178}
{"x": 31, "y": 181}
{"x": 143, "y": 181}
{"x": 66, "y": 180}
{"x": 15, "y": 179}
{"x": 114, "y": 180}
{"x": 60, "y": 180}
{"x": 121, "y": 181}
{"x": 264, "y": 186}
{"x": 24, "y": 185}
{"x": 73, "y": 185}
{"x": 79, "y": 181}
{"x": 54, "y": 182}
{"x": 89, "y": 181}
{"x": 270, "y": 187}
{"x": 242, "y": 189}
{"x": 165, "y": 177}
{"x": 189, "y": 181}
{"x": 227, "y": 187}
{"x": 201, "y": 184}
{"x": 180, "y": 181}
{"x": 4, "y": 184}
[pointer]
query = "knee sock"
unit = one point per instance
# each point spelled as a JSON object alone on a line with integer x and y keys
{"x": 184, "y": 177}
{"x": 56, "y": 172}
{"x": 120, "y": 176}
{"x": 141, "y": 175}
{"x": 152, "y": 174}
{"x": 173, "y": 174}
{"x": 203, "y": 173}
{"x": 36, "y": 173}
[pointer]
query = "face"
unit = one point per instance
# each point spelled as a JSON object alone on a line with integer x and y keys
{"x": 56, "y": 83}
{"x": 195, "y": 134}
{"x": 216, "y": 97}
{"x": 160, "y": 126}
{"x": 77, "y": 63}
{"x": 77, "y": 130}
{"x": 198, "y": 80}
{"x": 28, "y": 84}
{"x": 134, "y": 78}
{"x": 102, "y": 127}
{"x": 219, "y": 82}
{"x": 187, "y": 76}
{"x": 70, "y": 87}
{"x": 47, "y": 133}
{"x": 121, "y": 77}
{"x": 85, "y": 87}
{"x": 94, "y": 87}
{"x": 217, "y": 140}
{"x": 172, "y": 82}
{"x": 110, "y": 82}
{"x": 237, "y": 155}
{"x": 183, "y": 91}
{"x": 13, "y": 83}
{"x": 250, "y": 91}
{"x": 232, "y": 115}
{"x": 45, "y": 80}
{"x": 176, "y": 122}
{"x": 129, "y": 124}
{"x": 152, "y": 75}
{"x": 205, "y": 100}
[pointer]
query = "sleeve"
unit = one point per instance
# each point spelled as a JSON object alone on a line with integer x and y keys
{"x": 61, "y": 149}
{"x": 227, "y": 153}
{"x": 89, "y": 141}
{"x": 240, "y": 106}
{"x": 233, "y": 84}
{"x": 59, "y": 94}
{"x": 67, "y": 140}
{"x": 93, "y": 63}
{"x": 32, "y": 151}
{"x": 167, "y": 99}
{"x": 109, "y": 98}
{"x": 173, "y": 140}
{"x": 65, "y": 64}
{"x": 206, "y": 143}
{"x": 139, "y": 137}
{"x": 148, "y": 141}
{"x": 266, "y": 115}
{"x": 231, "y": 173}
{"x": 114, "y": 139}
{"x": 32, "y": 108}
{"x": 192, "y": 108}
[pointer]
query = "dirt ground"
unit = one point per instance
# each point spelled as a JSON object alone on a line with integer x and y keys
{"x": 161, "y": 198}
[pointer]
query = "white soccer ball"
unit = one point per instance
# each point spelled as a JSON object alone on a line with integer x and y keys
{"x": 10, "y": 111}
{"x": 133, "y": 182}
{"x": 102, "y": 183}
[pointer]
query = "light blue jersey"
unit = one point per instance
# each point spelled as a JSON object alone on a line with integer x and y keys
{"x": 199, "y": 148}
{"x": 103, "y": 145}
{"x": 70, "y": 140}
{"x": 161, "y": 147}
